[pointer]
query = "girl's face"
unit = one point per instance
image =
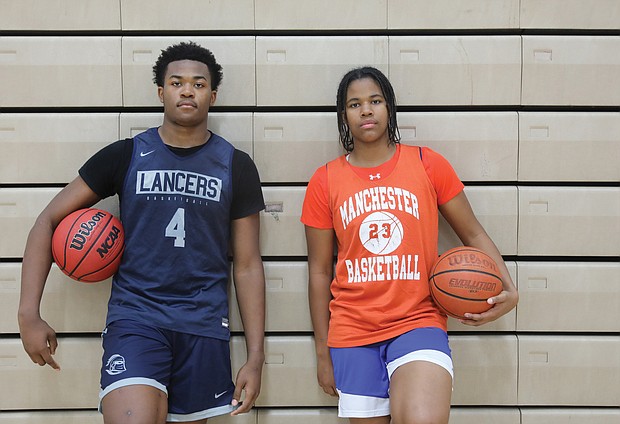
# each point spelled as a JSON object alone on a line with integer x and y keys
{"x": 366, "y": 112}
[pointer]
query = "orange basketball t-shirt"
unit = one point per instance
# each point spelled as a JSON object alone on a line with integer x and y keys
{"x": 386, "y": 225}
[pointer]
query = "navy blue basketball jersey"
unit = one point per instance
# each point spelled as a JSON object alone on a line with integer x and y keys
{"x": 176, "y": 214}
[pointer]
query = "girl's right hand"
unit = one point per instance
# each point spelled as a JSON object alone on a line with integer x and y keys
{"x": 325, "y": 375}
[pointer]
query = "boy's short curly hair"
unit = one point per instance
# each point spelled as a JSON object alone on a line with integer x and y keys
{"x": 187, "y": 51}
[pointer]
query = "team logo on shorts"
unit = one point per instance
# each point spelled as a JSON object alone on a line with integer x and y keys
{"x": 381, "y": 233}
{"x": 115, "y": 365}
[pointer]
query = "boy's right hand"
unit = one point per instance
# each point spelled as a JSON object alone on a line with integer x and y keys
{"x": 39, "y": 340}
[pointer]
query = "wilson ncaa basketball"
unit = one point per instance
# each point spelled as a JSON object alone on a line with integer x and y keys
{"x": 88, "y": 245}
{"x": 462, "y": 280}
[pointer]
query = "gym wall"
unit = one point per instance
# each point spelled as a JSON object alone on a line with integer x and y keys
{"x": 521, "y": 96}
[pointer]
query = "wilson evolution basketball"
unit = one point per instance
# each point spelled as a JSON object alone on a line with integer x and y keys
{"x": 463, "y": 279}
{"x": 88, "y": 245}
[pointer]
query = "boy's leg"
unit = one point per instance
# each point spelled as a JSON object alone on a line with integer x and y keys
{"x": 134, "y": 374}
{"x": 201, "y": 383}
{"x": 135, "y": 404}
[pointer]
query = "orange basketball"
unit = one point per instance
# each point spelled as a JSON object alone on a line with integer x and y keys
{"x": 88, "y": 244}
{"x": 463, "y": 279}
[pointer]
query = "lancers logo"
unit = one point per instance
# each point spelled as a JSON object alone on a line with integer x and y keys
{"x": 179, "y": 182}
{"x": 115, "y": 365}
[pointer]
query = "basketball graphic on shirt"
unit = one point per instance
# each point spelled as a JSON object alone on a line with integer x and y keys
{"x": 381, "y": 233}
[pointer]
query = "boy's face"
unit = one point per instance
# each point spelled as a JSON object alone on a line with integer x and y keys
{"x": 186, "y": 94}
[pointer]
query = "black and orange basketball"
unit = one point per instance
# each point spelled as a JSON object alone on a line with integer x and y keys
{"x": 88, "y": 245}
{"x": 462, "y": 280}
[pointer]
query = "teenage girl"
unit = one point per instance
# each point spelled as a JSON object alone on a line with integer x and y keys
{"x": 381, "y": 343}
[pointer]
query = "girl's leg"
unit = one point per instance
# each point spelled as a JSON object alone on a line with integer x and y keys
{"x": 420, "y": 393}
{"x": 375, "y": 420}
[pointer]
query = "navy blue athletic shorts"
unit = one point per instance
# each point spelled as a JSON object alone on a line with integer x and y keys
{"x": 193, "y": 371}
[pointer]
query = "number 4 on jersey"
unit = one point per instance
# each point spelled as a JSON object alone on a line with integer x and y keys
{"x": 176, "y": 228}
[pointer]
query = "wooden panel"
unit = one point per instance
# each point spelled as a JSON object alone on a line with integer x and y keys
{"x": 585, "y": 296}
{"x": 321, "y": 14}
{"x": 51, "y": 147}
{"x": 449, "y": 14}
{"x": 569, "y": 370}
{"x": 459, "y": 415}
{"x": 570, "y": 415}
{"x": 161, "y": 15}
{"x": 51, "y": 417}
{"x": 287, "y": 298}
{"x": 67, "y": 305}
{"x": 28, "y": 386}
{"x": 496, "y": 209}
{"x": 573, "y": 14}
{"x": 472, "y": 70}
{"x": 570, "y": 221}
{"x": 92, "y": 65}
{"x": 485, "y": 370}
{"x": 569, "y": 146}
{"x": 313, "y": 137}
{"x": 571, "y": 70}
{"x": 300, "y": 416}
{"x": 480, "y": 146}
{"x": 282, "y": 234}
{"x": 72, "y": 15}
{"x": 289, "y": 374}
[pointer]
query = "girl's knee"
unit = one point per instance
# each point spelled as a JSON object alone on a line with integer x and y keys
{"x": 420, "y": 415}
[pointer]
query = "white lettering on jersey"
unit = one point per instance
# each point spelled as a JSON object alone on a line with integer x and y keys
{"x": 377, "y": 199}
{"x": 382, "y": 268}
{"x": 179, "y": 182}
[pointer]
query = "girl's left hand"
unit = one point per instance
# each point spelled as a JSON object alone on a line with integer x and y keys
{"x": 502, "y": 304}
